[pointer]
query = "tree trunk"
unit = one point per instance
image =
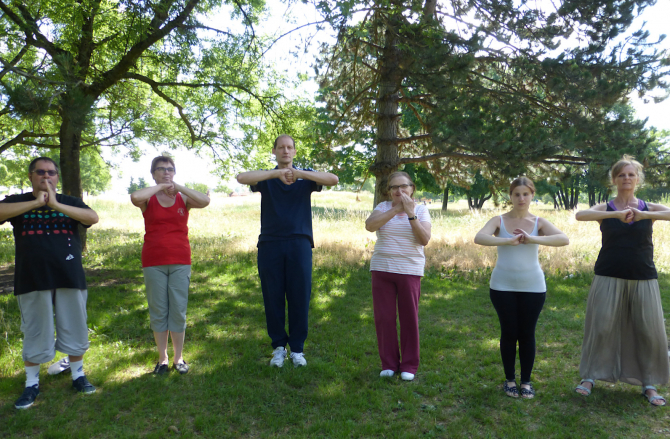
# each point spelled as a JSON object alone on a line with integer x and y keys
{"x": 386, "y": 159}
{"x": 70, "y": 149}
{"x": 445, "y": 198}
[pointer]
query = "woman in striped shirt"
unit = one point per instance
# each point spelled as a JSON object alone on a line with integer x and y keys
{"x": 396, "y": 266}
{"x": 517, "y": 284}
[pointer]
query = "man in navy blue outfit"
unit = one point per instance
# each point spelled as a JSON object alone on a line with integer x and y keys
{"x": 285, "y": 246}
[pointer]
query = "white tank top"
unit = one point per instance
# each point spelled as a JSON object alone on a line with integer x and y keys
{"x": 517, "y": 267}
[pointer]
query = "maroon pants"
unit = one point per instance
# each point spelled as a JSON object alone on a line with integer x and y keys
{"x": 405, "y": 289}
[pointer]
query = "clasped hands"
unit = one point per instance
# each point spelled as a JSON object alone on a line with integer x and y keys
{"x": 406, "y": 204}
{"x": 630, "y": 214}
{"x": 48, "y": 197}
{"x": 170, "y": 189}
{"x": 520, "y": 237}
{"x": 287, "y": 175}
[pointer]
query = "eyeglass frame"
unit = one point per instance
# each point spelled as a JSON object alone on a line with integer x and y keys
{"x": 400, "y": 186}
{"x": 171, "y": 170}
{"x": 43, "y": 172}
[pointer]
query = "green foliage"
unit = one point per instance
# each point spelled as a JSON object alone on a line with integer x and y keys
{"x": 141, "y": 184}
{"x": 200, "y": 187}
{"x": 86, "y": 74}
{"x": 498, "y": 87}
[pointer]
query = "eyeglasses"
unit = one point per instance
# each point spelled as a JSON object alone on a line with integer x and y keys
{"x": 43, "y": 172}
{"x": 162, "y": 169}
{"x": 401, "y": 186}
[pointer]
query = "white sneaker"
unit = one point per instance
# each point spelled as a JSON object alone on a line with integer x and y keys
{"x": 298, "y": 359}
{"x": 386, "y": 373}
{"x": 406, "y": 376}
{"x": 59, "y": 366}
{"x": 278, "y": 357}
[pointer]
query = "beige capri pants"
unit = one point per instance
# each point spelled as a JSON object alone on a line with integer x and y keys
{"x": 624, "y": 333}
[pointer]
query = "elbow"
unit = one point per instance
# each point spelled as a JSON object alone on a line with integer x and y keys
{"x": 579, "y": 216}
{"x": 478, "y": 240}
{"x": 368, "y": 227}
{"x": 241, "y": 179}
{"x": 334, "y": 180}
{"x": 566, "y": 241}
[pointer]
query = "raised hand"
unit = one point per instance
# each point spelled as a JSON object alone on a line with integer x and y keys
{"x": 50, "y": 194}
{"x": 625, "y": 216}
{"x": 525, "y": 237}
{"x": 169, "y": 189}
{"x": 638, "y": 215}
{"x": 515, "y": 240}
{"x": 407, "y": 204}
{"x": 286, "y": 175}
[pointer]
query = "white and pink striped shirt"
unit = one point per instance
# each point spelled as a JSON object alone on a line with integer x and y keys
{"x": 396, "y": 249}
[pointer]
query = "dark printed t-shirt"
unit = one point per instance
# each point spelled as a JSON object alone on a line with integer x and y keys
{"x": 48, "y": 248}
{"x": 286, "y": 210}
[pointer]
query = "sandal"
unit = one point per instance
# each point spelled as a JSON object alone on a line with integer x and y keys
{"x": 527, "y": 393}
{"x": 651, "y": 399}
{"x": 512, "y": 392}
{"x": 586, "y": 389}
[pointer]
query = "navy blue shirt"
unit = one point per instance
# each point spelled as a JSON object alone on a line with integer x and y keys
{"x": 286, "y": 210}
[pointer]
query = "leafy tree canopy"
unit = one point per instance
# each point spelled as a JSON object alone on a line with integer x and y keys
{"x": 485, "y": 83}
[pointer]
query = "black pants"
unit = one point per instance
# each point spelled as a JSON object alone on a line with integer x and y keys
{"x": 518, "y": 314}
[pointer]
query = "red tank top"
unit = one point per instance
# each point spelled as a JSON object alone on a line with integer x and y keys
{"x": 166, "y": 237}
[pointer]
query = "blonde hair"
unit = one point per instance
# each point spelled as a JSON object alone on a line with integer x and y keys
{"x": 522, "y": 181}
{"x": 627, "y": 160}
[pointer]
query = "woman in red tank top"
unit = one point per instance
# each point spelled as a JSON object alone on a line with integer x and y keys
{"x": 166, "y": 257}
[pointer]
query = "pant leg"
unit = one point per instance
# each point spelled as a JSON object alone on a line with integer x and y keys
{"x": 271, "y": 272}
{"x": 298, "y": 280}
{"x": 601, "y": 348}
{"x": 71, "y": 316}
{"x": 384, "y": 294}
{"x": 505, "y": 304}
{"x": 529, "y": 307}
{"x": 156, "y": 285}
{"x": 409, "y": 291}
{"x": 644, "y": 344}
{"x": 37, "y": 325}
{"x": 179, "y": 279}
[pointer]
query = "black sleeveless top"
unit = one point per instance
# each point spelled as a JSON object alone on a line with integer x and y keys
{"x": 628, "y": 249}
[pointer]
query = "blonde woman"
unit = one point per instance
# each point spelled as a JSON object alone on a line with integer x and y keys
{"x": 624, "y": 333}
{"x": 517, "y": 283}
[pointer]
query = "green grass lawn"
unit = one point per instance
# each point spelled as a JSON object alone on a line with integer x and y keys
{"x": 232, "y": 392}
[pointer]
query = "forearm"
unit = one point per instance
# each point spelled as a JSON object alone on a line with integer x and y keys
{"x": 85, "y": 216}
{"x": 195, "y": 199}
{"x": 377, "y": 220}
{"x": 594, "y": 215}
{"x": 558, "y": 240}
{"x": 10, "y": 210}
{"x": 252, "y": 177}
{"x": 141, "y": 196}
{"x": 662, "y": 215}
{"x": 489, "y": 240}
{"x": 322, "y": 178}
{"x": 420, "y": 231}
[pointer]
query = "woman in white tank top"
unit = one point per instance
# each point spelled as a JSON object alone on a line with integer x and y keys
{"x": 517, "y": 284}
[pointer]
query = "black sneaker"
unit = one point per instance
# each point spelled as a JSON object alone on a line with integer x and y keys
{"x": 27, "y": 398}
{"x": 182, "y": 368}
{"x": 160, "y": 369}
{"x": 82, "y": 385}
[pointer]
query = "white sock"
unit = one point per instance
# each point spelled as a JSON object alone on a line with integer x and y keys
{"x": 77, "y": 369}
{"x": 32, "y": 375}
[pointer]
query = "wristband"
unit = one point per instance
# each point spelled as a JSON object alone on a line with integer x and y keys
{"x": 412, "y": 218}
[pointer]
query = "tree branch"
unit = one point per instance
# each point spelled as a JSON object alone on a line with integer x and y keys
{"x": 19, "y": 140}
{"x": 13, "y": 62}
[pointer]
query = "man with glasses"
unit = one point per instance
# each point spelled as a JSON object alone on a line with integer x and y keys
{"x": 285, "y": 246}
{"x": 49, "y": 277}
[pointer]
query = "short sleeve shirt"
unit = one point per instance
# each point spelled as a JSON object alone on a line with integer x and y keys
{"x": 47, "y": 247}
{"x": 396, "y": 249}
{"x": 286, "y": 210}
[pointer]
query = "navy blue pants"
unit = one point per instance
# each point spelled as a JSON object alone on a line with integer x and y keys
{"x": 285, "y": 270}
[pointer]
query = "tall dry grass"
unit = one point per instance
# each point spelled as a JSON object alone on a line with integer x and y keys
{"x": 231, "y": 225}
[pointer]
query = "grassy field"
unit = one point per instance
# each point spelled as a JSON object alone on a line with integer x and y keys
{"x": 231, "y": 391}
